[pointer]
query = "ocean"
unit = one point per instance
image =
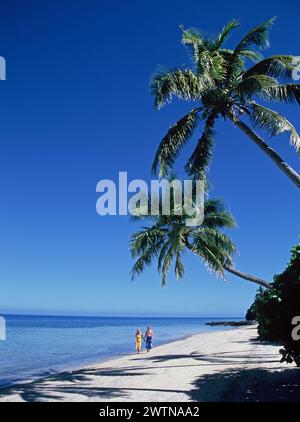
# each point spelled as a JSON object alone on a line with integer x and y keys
{"x": 37, "y": 346}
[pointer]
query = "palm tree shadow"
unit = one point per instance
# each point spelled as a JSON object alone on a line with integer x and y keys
{"x": 221, "y": 358}
{"x": 248, "y": 385}
{"x": 58, "y": 393}
{"x": 238, "y": 385}
{"x": 74, "y": 383}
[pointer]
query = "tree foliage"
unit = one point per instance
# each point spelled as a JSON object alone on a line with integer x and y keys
{"x": 168, "y": 236}
{"x": 274, "y": 310}
{"x": 223, "y": 83}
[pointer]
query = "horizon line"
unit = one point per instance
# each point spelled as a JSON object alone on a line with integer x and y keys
{"x": 117, "y": 316}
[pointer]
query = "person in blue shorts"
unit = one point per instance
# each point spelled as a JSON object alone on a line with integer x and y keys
{"x": 149, "y": 338}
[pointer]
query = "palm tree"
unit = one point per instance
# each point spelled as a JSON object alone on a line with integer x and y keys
{"x": 170, "y": 235}
{"x": 222, "y": 86}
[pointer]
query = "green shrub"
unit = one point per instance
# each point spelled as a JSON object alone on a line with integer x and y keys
{"x": 275, "y": 309}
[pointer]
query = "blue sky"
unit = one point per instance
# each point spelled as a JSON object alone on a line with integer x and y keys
{"x": 75, "y": 108}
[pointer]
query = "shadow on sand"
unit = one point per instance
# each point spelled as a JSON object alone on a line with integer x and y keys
{"x": 237, "y": 384}
{"x": 74, "y": 383}
{"x": 248, "y": 385}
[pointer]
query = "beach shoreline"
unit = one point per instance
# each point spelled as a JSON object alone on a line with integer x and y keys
{"x": 59, "y": 369}
{"x": 38, "y": 346}
{"x": 229, "y": 365}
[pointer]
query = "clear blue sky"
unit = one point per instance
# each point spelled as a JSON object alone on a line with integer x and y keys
{"x": 76, "y": 109}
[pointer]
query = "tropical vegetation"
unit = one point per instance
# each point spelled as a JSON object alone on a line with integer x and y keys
{"x": 169, "y": 236}
{"x": 222, "y": 84}
{"x": 275, "y": 309}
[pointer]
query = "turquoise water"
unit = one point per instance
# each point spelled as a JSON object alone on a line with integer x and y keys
{"x": 39, "y": 345}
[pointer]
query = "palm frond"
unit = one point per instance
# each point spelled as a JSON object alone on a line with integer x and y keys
{"x": 141, "y": 241}
{"x": 219, "y": 220}
{"x": 209, "y": 68}
{"x": 254, "y": 56}
{"x": 167, "y": 262}
{"x": 224, "y": 34}
{"x": 215, "y": 247}
{"x": 179, "y": 267}
{"x": 209, "y": 63}
{"x": 277, "y": 66}
{"x": 192, "y": 36}
{"x": 173, "y": 141}
{"x": 196, "y": 44}
{"x": 257, "y": 36}
{"x": 200, "y": 159}
{"x": 145, "y": 259}
{"x": 182, "y": 83}
{"x": 273, "y": 123}
{"x": 161, "y": 256}
{"x": 234, "y": 65}
{"x": 209, "y": 254}
{"x": 214, "y": 206}
{"x": 215, "y": 68}
{"x": 289, "y": 93}
{"x": 224, "y": 244}
{"x": 253, "y": 85}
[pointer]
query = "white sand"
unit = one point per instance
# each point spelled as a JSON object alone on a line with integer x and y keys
{"x": 215, "y": 366}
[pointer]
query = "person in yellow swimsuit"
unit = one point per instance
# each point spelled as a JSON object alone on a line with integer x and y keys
{"x": 138, "y": 340}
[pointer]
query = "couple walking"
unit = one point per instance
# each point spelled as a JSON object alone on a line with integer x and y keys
{"x": 147, "y": 339}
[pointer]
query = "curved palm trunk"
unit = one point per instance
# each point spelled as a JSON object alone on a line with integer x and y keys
{"x": 248, "y": 277}
{"x": 284, "y": 167}
{"x": 239, "y": 273}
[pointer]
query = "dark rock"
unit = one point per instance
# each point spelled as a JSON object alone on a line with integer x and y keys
{"x": 230, "y": 323}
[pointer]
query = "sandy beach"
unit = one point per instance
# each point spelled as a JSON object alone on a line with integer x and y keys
{"x": 216, "y": 366}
